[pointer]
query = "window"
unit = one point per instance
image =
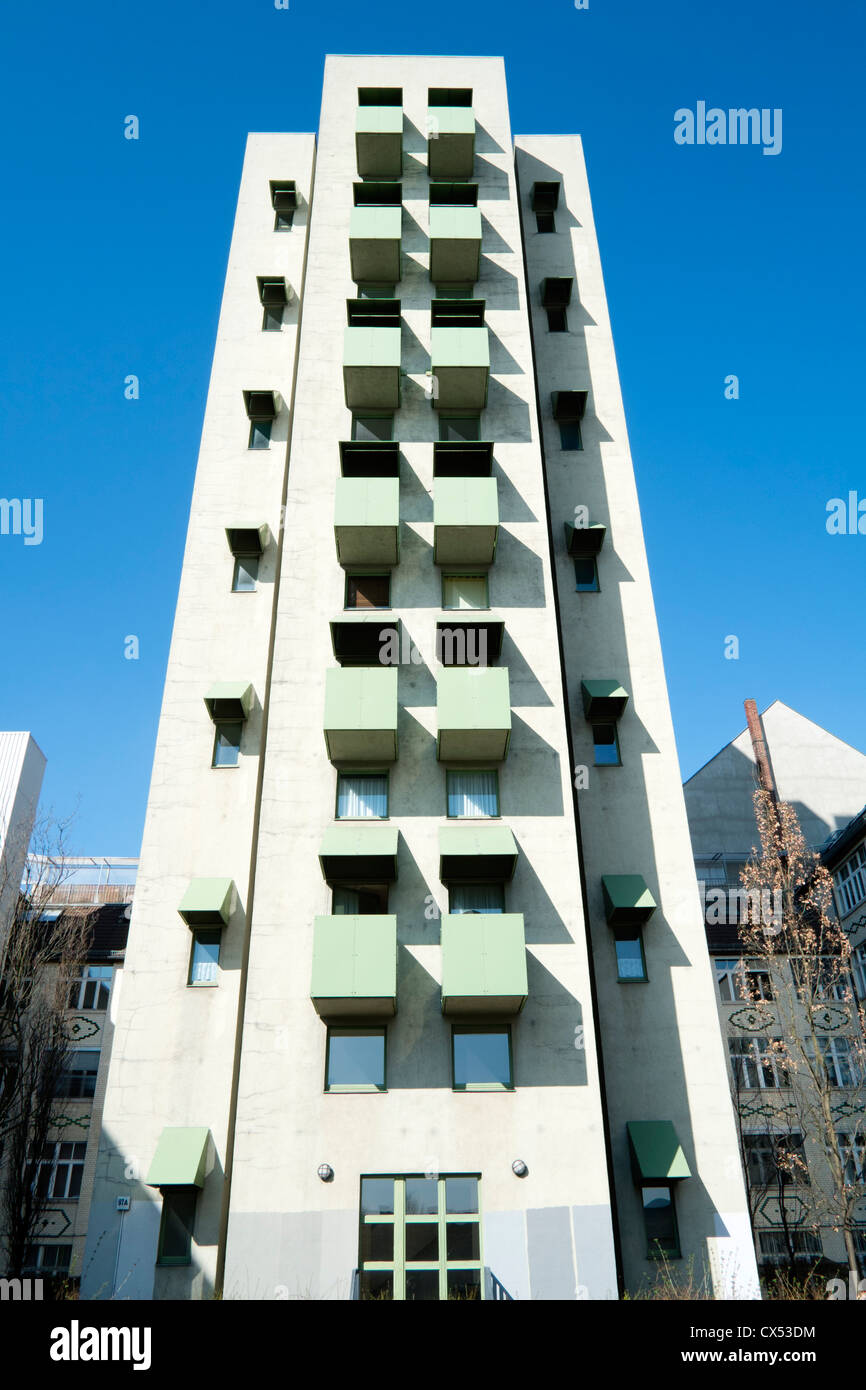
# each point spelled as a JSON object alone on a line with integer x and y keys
{"x": 570, "y": 438}
{"x": 850, "y": 881}
{"x": 380, "y": 96}
{"x": 420, "y": 1239}
{"x": 355, "y": 1059}
{"x": 660, "y": 1222}
{"x": 859, "y": 1234}
{"x": 362, "y": 796}
{"x": 368, "y": 900}
{"x": 92, "y": 988}
{"x": 456, "y": 427}
{"x": 176, "y": 1226}
{"x": 777, "y": 1248}
{"x": 78, "y": 1079}
{"x": 373, "y": 313}
{"x": 557, "y": 320}
{"x": 246, "y": 573}
{"x": 630, "y": 958}
{"x": 840, "y": 1067}
{"x": 367, "y": 291}
{"x": 227, "y": 744}
{"x": 737, "y": 980}
{"x": 283, "y": 220}
{"x": 373, "y": 426}
{"x": 858, "y": 962}
{"x": 260, "y": 434}
{"x": 756, "y": 1066}
{"x": 756, "y": 981}
{"x": 464, "y": 591}
{"x": 824, "y": 977}
{"x": 205, "y": 957}
{"x": 586, "y": 574}
{"x": 272, "y": 319}
{"x": 459, "y": 313}
{"x": 852, "y": 1151}
{"x": 453, "y": 195}
{"x": 374, "y": 193}
{"x": 605, "y": 745}
{"x": 449, "y": 96}
{"x": 481, "y": 1059}
{"x": 476, "y": 897}
{"x": 472, "y": 794}
{"x": 51, "y": 1261}
{"x": 726, "y": 978}
{"x": 58, "y": 1171}
{"x": 8, "y": 1070}
{"x": 545, "y": 222}
{"x": 368, "y": 591}
{"x": 772, "y": 1159}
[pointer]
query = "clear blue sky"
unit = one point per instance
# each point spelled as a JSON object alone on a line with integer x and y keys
{"x": 717, "y": 261}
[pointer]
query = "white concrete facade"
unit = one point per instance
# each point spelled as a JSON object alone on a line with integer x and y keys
{"x": 22, "y": 766}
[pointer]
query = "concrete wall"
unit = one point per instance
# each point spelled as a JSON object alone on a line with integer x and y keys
{"x": 22, "y": 765}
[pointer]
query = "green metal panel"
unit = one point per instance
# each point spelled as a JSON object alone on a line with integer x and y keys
{"x": 208, "y": 902}
{"x": 483, "y": 963}
{"x": 361, "y": 714}
{"x": 483, "y": 853}
{"x": 374, "y": 244}
{"x": 354, "y": 966}
{"x": 604, "y": 699}
{"x": 465, "y": 520}
{"x": 656, "y": 1153}
{"x": 627, "y": 900}
{"x": 229, "y": 700}
{"x": 180, "y": 1159}
{"x": 359, "y": 853}
{"x": 584, "y": 540}
{"x": 455, "y": 245}
{"x": 367, "y": 521}
{"x": 371, "y": 367}
{"x": 451, "y": 142}
{"x": 379, "y": 141}
{"x": 473, "y": 709}
{"x": 460, "y": 362}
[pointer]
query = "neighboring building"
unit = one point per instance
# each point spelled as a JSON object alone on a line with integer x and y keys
{"x": 22, "y": 764}
{"x": 395, "y": 1023}
{"x": 824, "y": 779}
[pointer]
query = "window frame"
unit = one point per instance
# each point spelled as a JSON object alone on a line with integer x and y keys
{"x": 675, "y": 1252}
{"x": 260, "y": 430}
{"x": 485, "y": 1030}
{"x": 64, "y": 1092}
{"x": 558, "y": 316}
{"x": 352, "y": 576}
{"x": 399, "y": 1219}
{"x": 849, "y": 882}
{"x": 360, "y": 1087}
{"x": 201, "y": 932}
{"x": 175, "y": 1194}
{"x": 462, "y": 771}
{"x": 362, "y": 772}
{"x": 482, "y": 608}
{"x": 758, "y": 1062}
{"x": 78, "y": 988}
{"x": 595, "y": 586}
{"x": 273, "y": 312}
{"x": 546, "y": 217}
{"x": 219, "y": 726}
{"x": 71, "y": 1163}
{"x": 606, "y": 724}
{"x": 569, "y": 430}
{"x": 448, "y": 417}
{"x": 358, "y": 416}
{"x": 245, "y": 561}
{"x": 630, "y": 934}
{"x": 477, "y": 911}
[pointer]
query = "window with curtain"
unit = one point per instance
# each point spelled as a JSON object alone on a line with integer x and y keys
{"x": 464, "y": 591}
{"x": 476, "y": 897}
{"x": 362, "y": 797}
{"x": 473, "y": 794}
{"x": 204, "y": 966}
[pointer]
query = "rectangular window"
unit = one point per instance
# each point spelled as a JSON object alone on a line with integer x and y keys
{"x": 373, "y": 427}
{"x": 59, "y": 1170}
{"x": 456, "y": 427}
{"x": 260, "y": 434}
{"x": 283, "y": 220}
{"x": 570, "y": 438}
{"x": 481, "y": 1059}
{"x": 227, "y": 744}
{"x": 660, "y": 1222}
{"x": 78, "y": 1079}
{"x": 176, "y": 1226}
{"x": 756, "y": 1065}
{"x": 586, "y": 574}
{"x": 820, "y": 978}
{"x": 91, "y": 989}
{"x": 726, "y": 978}
{"x": 464, "y": 591}
{"x": 858, "y": 962}
{"x": 205, "y": 957}
{"x": 367, "y": 900}
{"x": 48, "y": 1261}
{"x": 777, "y": 1248}
{"x": 850, "y": 881}
{"x": 773, "y": 1159}
{"x": 355, "y": 1059}
{"x": 246, "y": 573}
{"x": 272, "y": 319}
{"x": 368, "y": 591}
{"x": 476, "y": 897}
{"x": 362, "y": 796}
{"x": 545, "y": 222}
{"x": 557, "y": 320}
{"x": 472, "y": 795}
{"x": 852, "y": 1151}
{"x": 841, "y": 1068}
{"x": 630, "y": 959}
{"x": 420, "y": 1239}
{"x": 605, "y": 745}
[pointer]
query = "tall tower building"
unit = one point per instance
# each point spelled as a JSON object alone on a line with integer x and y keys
{"x": 416, "y": 1001}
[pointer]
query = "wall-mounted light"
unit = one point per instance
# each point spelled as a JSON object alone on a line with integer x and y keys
{"x": 326, "y": 1172}
{"x": 519, "y": 1168}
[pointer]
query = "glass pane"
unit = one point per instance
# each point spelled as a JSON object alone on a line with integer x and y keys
{"x": 461, "y": 1195}
{"x": 227, "y": 745}
{"x": 629, "y": 960}
{"x": 346, "y": 902}
{"x": 246, "y": 574}
{"x": 178, "y": 1213}
{"x": 477, "y": 897}
{"x": 421, "y": 1196}
{"x": 76, "y": 1172}
{"x": 368, "y": 591}
{"x": 372, "y": 427}
{"x": 356, "y": 1059}
{"x": 273, "y": 319}
{"x": 377, "y": 1241}
{"x": 422, "y": 1284}
{"x": 377, "y": 1196}
{"x": 260, "y": 434}
{"x": 376, "y": 1284}
{"x": 605, "y": 745}
{"x": 464, "y": 1283}
{"x": 362, "y": 798}
{"x": 463, "y": 1240}
{"x": 585, "y": 573}
{"x": 205, "y": 958}
{"x": 659, "y": 1218}
{"x": 473, "y": 794}
{"x": 482, "y": 1059}
{"x": 459, "y": 427}
{"x": 422, "y": 1241}
{"x": 464, "y": 591}
{"x": 569, "y": 434}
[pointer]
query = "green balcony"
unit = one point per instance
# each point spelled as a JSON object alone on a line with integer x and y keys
{"x": 473, "y": 713}
{"x": 476, "y": 854}
{"x": 605, "y": 699}
{"x": 359, "y": 854}
{"x": 460, "y": 363}
{"x": 361, "y": 714}
{"x": 181, "y": 1158}
{"x": 357, "y": 637}
{"x": 374, "y": 245}
{"x": 355, "y": 966}
{"x": 584, "y": 540}
{"x": 455, "y": 245}
{"x": 483, "y": 963}
{"x": 229, "y": 700}
{"x": 371, "y": 367}
{"x": 379, "y": 141}
{"x": 656, "y": 1152}
{"x": 450, "y": 142}
{"x": 367, "y": 521}
{"x": 465, "y": 521}
{"x": 627, "y": 900}
{"x": 208, "y": 902}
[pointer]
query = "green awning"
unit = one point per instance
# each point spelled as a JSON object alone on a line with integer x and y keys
{"x": 476, "y": 853}
{"x": 656, "y": 1152}
{"x": 180, "y": 1159}
{"x": 584, "y": 540}
{"x": 455, "y": 245}
{"x": 229, "y": 700}
{"x": 367, "y": 521}
{"x": 262, "y": 405}
{"x": 604, "y": 699}
{"x": 569, "y": 406}
{"x": 460, "y": 363}
{"x": 247, "y": 540}
{"x": 374, "y": 244}
{"x": 371, "y": 367}
{"x": 208, "y": 902}
{"x": 465, "y": 521}
{"x": 627, "y": 900}
{"x": 359, "y": 854}
{"x": 483, "y": 963}
{"x": 450, "y": 142}
{"x": 379, "y": 141}
{"x": 354, "y": 966}
{"x": 360, "y": 721}
{"x": 473, "y": 714}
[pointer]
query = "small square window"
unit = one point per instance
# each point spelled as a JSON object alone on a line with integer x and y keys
{"x": 605, "y": 745}
{"x": 368, "y": 899}
{"x": 355, "y": 1061}
{"x": 557, "y": 321}
{"x": 586, "y": 574}
{"x": 176, "y": 1226}
{"x": 246, "y": 573}
{"x": 373, "y": 427}
{"x": 630, "y": 960}
{"x": 227, "y": 745}
{"x": 362, "y": 796}
{"x": 545, "y": 222}
{"x": 368, "y": 591}
{"x": 283, "y": 221}
{"x": 464, "y": 591}
{"x": 205, "y": 957}
{"x": 481, "y": 1060}
{"x": 472, "y": 795}
{"x": 272, "y": 319}
{"x": 570, "y": 438}
{"x": 455, "y": 427}
{"x": 260, "y": 434}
